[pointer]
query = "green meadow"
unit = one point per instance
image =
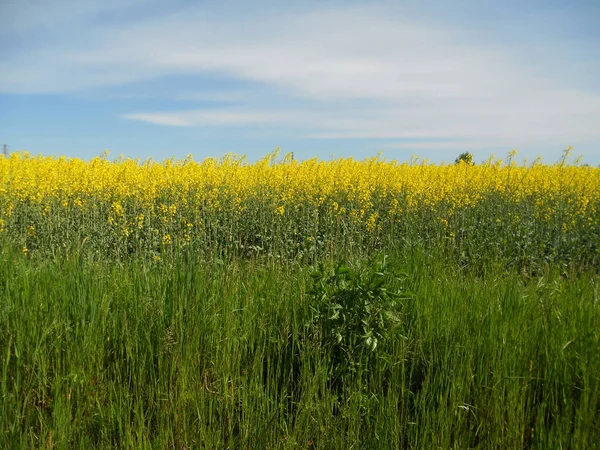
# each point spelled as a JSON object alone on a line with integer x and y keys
{"x": 406, "y": 350}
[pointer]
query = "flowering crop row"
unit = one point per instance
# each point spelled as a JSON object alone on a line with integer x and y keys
{"x": 291, "y": 208}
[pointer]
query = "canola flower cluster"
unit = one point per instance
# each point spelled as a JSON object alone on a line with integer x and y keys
{"x": 290, "y": 207}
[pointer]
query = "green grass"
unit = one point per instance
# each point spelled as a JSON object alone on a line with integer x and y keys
{"x": 196, "y": 352}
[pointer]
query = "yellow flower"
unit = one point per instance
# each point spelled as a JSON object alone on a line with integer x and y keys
{"x": 371, "y": 221}
{"x": 344, "y": 193}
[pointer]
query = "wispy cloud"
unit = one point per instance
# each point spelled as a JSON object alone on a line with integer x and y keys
{"x": 353, "y": 72}
{"x": 159, "y": 119}
{"x": 215, "y": 96}
{"x": 206, "y": 118}
{"x": 443, "y": 145}
{"x": 190, "y": 96}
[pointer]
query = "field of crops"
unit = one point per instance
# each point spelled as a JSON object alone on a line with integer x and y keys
{"x": 525, "y": 215}
{"x": 298, "y": 304}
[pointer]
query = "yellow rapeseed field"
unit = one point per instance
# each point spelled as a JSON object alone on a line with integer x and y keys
{"x": 131, "y": 205}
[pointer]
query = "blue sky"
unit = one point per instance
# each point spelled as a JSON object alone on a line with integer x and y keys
{"x": 147, "y": 78}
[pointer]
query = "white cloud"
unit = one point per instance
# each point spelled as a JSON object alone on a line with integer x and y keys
{"x": 353, "y": 72}
{"x": 159, "y": 119}
{"x": 168, "y": 94}
{"x": 559, "y": 117}
{"x": 356, "y": 54}
{"x": 455, "y": 146}
{"x": 215, "y": 96}
{"x": 204, "y": 118}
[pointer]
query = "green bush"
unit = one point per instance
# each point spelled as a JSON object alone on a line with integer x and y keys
{"x": 355, "y": 312}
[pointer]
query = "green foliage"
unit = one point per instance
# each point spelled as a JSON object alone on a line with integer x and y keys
{"x": 465, "y": 157}
{"x": 193, "y": 352}
{"x": 355, "y": 311}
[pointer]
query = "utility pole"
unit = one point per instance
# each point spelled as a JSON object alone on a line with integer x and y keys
{"x": 5, "y": 150}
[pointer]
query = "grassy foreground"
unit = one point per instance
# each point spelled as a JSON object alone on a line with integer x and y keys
{"x": 193, "y": 352}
